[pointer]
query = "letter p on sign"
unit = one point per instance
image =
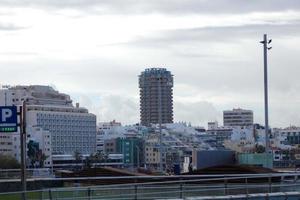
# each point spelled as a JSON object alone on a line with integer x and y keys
{"x": 6, "y": 113}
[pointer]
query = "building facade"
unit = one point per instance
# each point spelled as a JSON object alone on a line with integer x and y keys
{"x": 156, "y": 96}
{"x": 238, "y": 117}
{"x": 72, "y": 129}
{"x": 106, "y": 131}
{"x": 43, "y": 139}
{"x": 132, "y": 150}
{"x": 289, "y": 135}
{"x": 220, "y": 134}
{"x": 7, "y": 144}
{"x": 52, "y": 114}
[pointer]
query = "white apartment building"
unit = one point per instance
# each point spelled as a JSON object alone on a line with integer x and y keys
{"x": 220, "y": 133}
{"x": 152, "y": 154}
{"x": 70, "y": 128}
{"x": 237, "y": 117}
{"x": 212, "y": 125}
{"x": 107, "y": 131}
{"x": 289, "y": 135}
{"x": 279, "y": 140}
{"x": 42, "y": 137}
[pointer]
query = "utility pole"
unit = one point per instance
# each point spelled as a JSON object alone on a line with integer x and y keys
{"x": 23, "y": 149}
{"x": 265, "y": 43}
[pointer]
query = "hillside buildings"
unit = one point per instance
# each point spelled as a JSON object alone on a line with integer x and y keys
{"x": 156, "y": 96}
{"x": 60, "y": 131}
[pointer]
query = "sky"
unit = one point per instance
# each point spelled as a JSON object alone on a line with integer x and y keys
{"x": 94, "y": 50}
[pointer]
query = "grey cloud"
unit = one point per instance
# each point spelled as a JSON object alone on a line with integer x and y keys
{"x": 163, "y": 6}
{"x": 200, "y": 50}
{"x": 120, "y": 108}
{"x": 16, "y": 53}
{"x": 210, "y": 35}
{"x": 199, "y": 113}
{"x": 284, "y": 115}
{"x": 10, "y": 27}
{"x": 108, "y": 107}
{"x": 196, "y": 58}
{"x": 126, "y": 109}
{"x": 121, "y": 100}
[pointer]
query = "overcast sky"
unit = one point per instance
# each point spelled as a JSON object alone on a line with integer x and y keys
{"x": 94, "y": 50}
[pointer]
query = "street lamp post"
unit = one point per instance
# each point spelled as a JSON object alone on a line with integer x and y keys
{"x": 265, "y": 43}
{"x": 23, "y": 149}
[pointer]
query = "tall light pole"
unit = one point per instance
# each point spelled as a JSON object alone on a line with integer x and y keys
{"x": 23, "y": 149}
{"x": 265, "y": 42}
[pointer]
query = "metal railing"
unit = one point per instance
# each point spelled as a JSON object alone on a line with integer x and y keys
{"x": 261, "y": 196}
{"x": 16, "y": 173}
{"x": 182, "y": 187}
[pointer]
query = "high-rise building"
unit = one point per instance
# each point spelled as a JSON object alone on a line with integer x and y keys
{"x": 238, "y": 117}
{"x": 70, "y": 128}
{"x": 156, "y": 96}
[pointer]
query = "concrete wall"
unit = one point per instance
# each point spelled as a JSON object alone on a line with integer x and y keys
{"x": 210, "y": 158}
{"x": 258, "y": 159}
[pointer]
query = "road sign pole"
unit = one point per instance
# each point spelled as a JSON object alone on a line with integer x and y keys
{"x": 23, "y": 148}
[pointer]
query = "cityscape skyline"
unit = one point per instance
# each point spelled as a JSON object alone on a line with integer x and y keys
{"x": 212, "y": 49}
{"x": 238, "y": 110}
{"x": 139, "y": 99}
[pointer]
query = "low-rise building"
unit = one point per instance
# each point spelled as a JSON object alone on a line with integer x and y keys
{"x": 237, "y": 117}
{"x": 153, "y": 153}
{"x": 221, "y": 134}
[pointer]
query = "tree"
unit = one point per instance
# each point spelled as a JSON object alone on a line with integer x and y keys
{"x": 100, "y": 156}
{"x": 88, "y": 162}
{"x": 41, "y": 158}
{"x": 8, "y": 162}
{"x": 259, "y": 149}
{"x": 35, "y": 154}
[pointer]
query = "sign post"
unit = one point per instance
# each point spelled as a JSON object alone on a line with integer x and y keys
{"x": 23, "y": 148}
{"x": 8, "y": 119}
{"x": 8, "y": 124}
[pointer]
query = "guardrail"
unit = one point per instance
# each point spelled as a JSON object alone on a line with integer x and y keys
{"x": 16, "y": 173}
{"x": 182, "y": 187}
{"x": 262, "y": 196}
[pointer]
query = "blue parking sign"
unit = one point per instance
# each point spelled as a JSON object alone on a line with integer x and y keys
{"x": 8, "y": 119}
